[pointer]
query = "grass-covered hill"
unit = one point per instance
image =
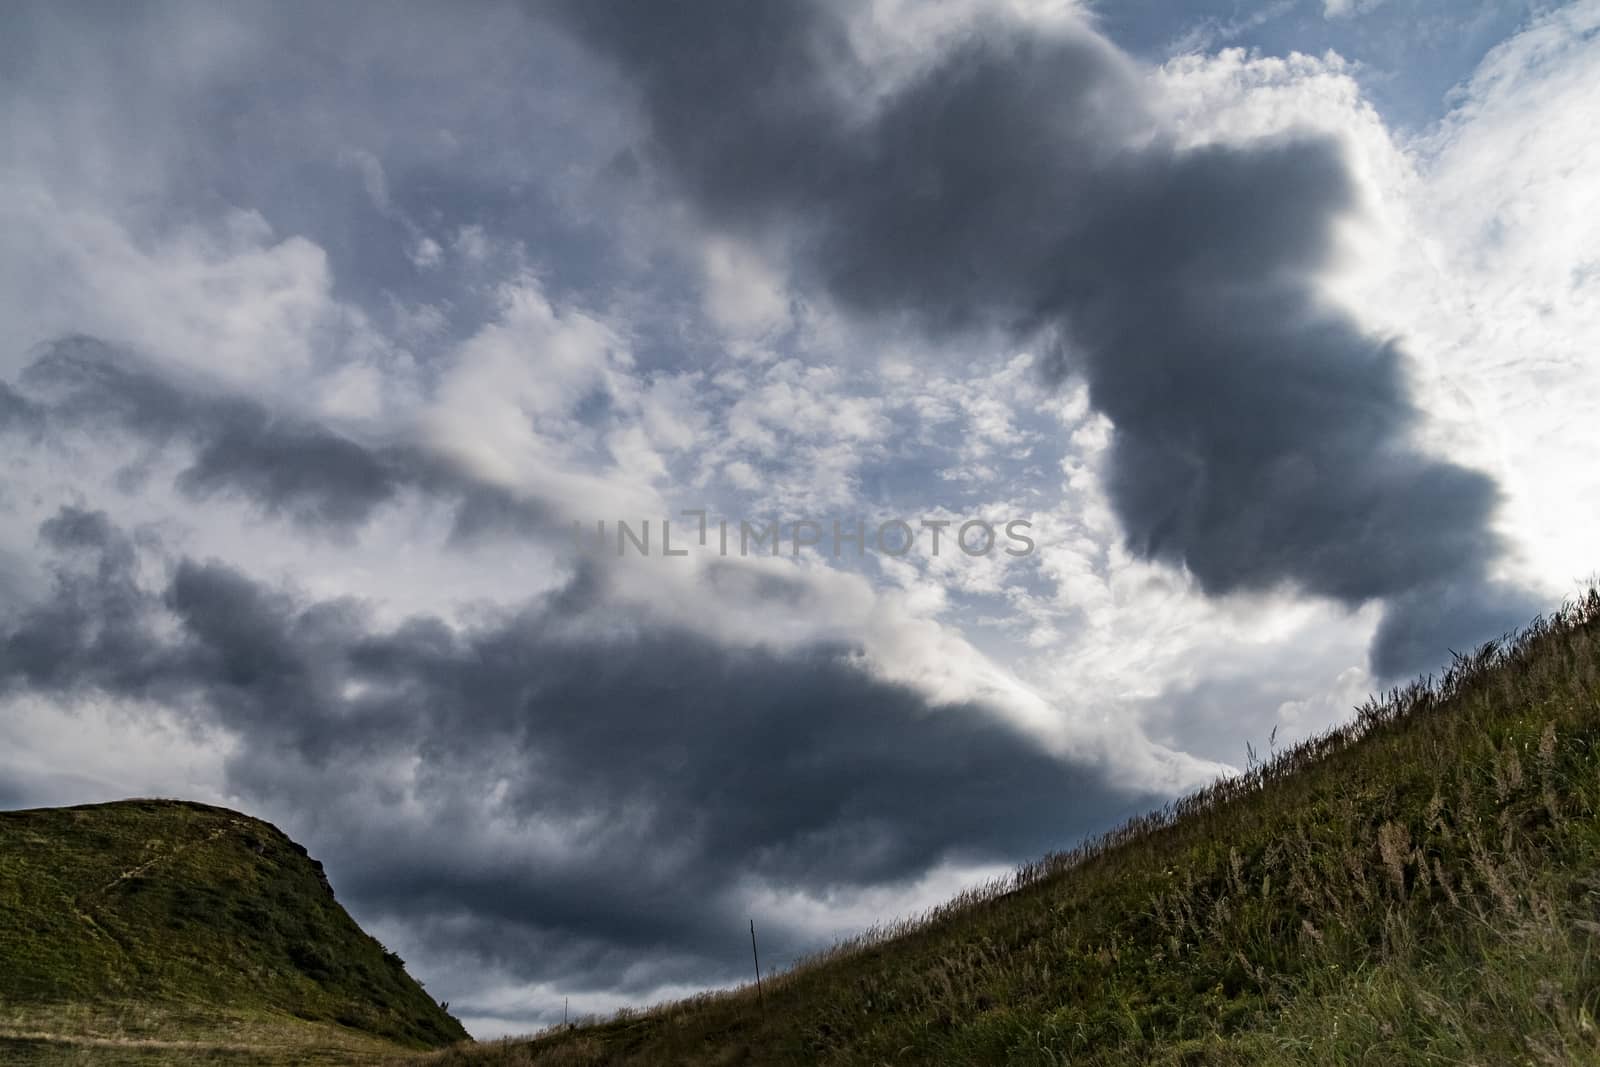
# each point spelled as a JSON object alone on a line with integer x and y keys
{"x": 1420, "y": 887}
{"x": 166, "y": 931}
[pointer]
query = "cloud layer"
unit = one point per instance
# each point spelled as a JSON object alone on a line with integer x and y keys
{"x": 1019, "y": 181}
{"x": 660, "y": 777}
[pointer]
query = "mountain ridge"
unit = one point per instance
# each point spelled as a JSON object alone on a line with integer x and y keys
{"x": 197, "y": 923}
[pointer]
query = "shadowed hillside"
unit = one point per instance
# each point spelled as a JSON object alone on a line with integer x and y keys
{"x": 1421, "y": 886}
{"x": 162, "y": 931}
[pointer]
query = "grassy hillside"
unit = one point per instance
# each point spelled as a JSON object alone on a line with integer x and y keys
{"x": 158, "y": 931}
{"x": 1422, "y": 887}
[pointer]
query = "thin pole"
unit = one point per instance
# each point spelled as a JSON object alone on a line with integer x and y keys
{"x": 754, "y": 954}
{"x": 564, "y": 1002}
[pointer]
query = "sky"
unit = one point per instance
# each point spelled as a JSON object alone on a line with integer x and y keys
{"x": 1252, "y": 343}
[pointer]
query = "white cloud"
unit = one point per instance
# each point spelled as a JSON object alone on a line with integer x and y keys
{"x": 745, "y": 295}
{"x": 138, "y": 749}
{"x": 426, "y": 253}
{"x": 510, "y": 406}
{"x": 1344, "y": 9}
{"x": 229, "y": 303}
{"x": 1510, "y": 214}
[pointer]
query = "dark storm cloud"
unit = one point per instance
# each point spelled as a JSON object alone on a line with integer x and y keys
{"x": 1019, "y": 183}
{"x": 284, "y": 465}
{"x": 94, "y": 620}
{"x": 1457, "y": 616}
{"x": 681, "y": 767}
{"x": 16, "y": 412}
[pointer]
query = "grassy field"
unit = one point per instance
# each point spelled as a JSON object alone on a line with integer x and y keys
{"x": 1420, "y": 887}
{"x": 153, "y": 931}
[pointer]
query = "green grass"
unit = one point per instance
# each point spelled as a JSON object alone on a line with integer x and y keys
{"x": 1420, "y": 887}
{"x": 160, "y": 931}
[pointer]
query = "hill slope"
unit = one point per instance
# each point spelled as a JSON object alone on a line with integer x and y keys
{"x": 167, "y": 922}
{"x": 1422, "y": 886}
